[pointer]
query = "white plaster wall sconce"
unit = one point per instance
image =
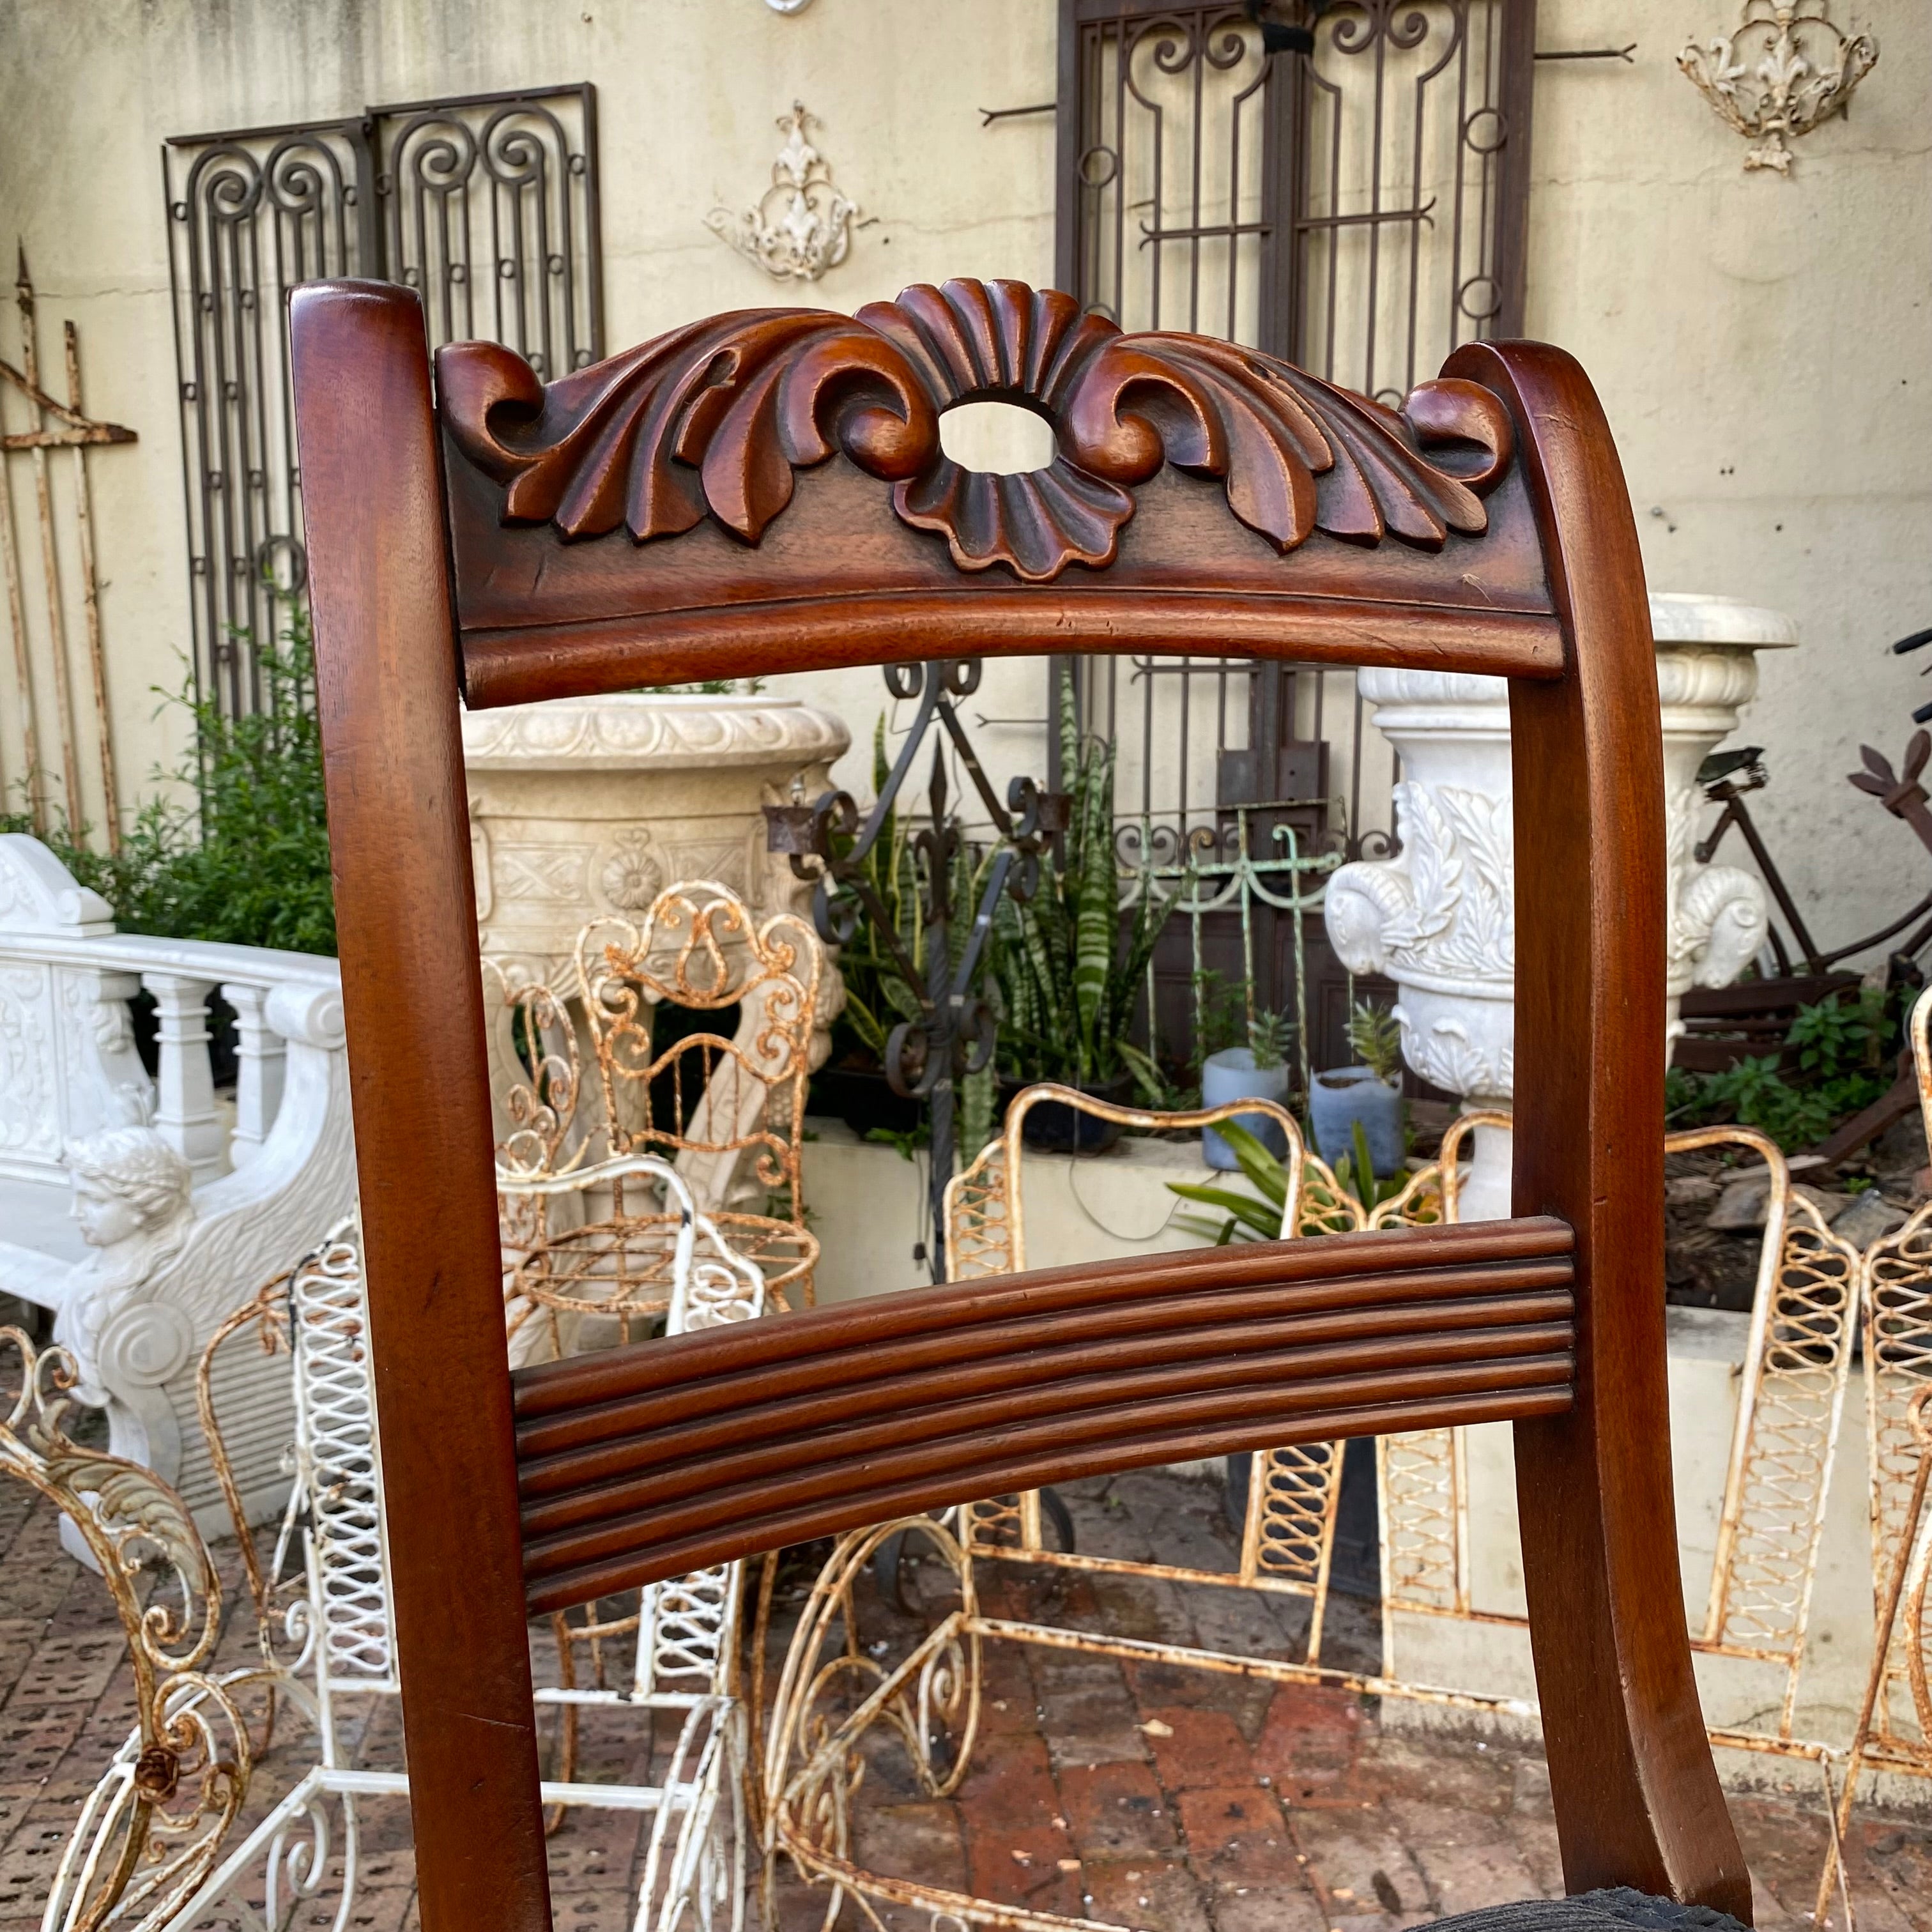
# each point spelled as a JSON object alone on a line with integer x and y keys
{"x": 1784, "y": 68}
{"x": 801, "y": 225}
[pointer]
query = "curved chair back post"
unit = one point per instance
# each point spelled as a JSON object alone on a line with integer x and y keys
{"x": 1636, "y": 1792}
{"x": 767, "y": 491}
{"x": 386, "y": 682}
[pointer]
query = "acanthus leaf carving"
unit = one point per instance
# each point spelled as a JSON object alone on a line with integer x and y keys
{"x": 717, "y": 418}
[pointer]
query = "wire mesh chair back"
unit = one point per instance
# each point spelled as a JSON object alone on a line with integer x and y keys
{"x": 324, "y": 1618}
{"x": 700, "y": 948}
{"x": 1898, "y": 1368}
{"x": 1288, "y": 1532}
{"x": 1797, "y": 1362}
{"x": 726, "y": 1100}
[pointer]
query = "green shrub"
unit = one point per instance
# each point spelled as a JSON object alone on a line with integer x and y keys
{"x": 248, "y": 862}
{"x": 1839, "y": 1063}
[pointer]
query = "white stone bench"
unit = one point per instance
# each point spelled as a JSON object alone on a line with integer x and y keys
{"x": 183, "y": 1208}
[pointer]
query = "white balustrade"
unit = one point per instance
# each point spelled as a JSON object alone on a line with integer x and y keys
{"x": 132, "y": 1209}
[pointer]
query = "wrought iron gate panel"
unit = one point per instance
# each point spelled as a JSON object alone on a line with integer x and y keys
{"x": 1359, "y": 211}
{"x": 505, "y": 166}
{"x": 431, "y": 194}
{"x": 249, "y": 216}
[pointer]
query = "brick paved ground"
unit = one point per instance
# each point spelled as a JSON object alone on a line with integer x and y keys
{"x": 1149, "y": 1796}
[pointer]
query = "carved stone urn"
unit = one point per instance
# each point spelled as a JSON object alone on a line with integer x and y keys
{"x": 589, "y": 806}
{"x": 1440, "y": 917}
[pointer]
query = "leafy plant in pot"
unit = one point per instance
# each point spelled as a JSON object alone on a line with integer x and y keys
{"x": 1069, "y": 968}
{"x": 1368, "y": 1093}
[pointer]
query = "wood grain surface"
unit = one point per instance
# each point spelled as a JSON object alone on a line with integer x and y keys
{"x": 406, "y": 915}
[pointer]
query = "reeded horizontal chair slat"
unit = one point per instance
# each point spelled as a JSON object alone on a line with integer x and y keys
{"x": 1076, "y": 1376}
{"x": 1088, "y": 1408}
{"x": 1380, "y": 1404}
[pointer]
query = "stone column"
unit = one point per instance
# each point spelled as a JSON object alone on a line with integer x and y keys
{"x": 1440, "y": 917}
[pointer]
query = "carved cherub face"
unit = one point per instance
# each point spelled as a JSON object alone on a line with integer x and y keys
{"x": 127, "y": 1180}
{"x": 105, "y": 1217}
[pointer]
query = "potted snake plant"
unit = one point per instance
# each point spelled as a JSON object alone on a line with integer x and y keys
{"x": 1069, "y": 965}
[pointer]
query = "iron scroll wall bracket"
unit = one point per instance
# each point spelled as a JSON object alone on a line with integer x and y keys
{"x": 954, "y": 1032}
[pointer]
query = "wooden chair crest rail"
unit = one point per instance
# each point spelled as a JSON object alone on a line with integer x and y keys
{"x": 765, "y": 491}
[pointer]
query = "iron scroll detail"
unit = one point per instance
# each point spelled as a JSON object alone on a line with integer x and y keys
{"x": 716, "y": 418}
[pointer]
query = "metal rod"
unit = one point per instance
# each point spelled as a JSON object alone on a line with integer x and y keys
{"x": 17, "y": 612}
{"x": 988, "y": 115}
{"x": 90, "y": 591}
{"x": 23, "y": 291}
{"x": 1626, "y": 54}
{"x": 1421, "y": 214}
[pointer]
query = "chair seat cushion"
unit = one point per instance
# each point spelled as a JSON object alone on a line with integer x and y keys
{"x": 1617, "y": 1909}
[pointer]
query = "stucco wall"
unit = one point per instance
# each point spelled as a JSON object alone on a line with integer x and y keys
{"x": 1764, "y": 349}
{"x": 1762, "y": 346}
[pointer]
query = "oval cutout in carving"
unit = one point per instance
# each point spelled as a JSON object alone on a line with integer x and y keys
{"x": 1000, "y": 437}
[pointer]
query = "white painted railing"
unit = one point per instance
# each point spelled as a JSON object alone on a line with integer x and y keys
{"x": 136, "y": 1208}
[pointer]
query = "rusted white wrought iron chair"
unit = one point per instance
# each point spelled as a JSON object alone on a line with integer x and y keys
{"x": 152, "y": 1827}
{"x": 1797, "y": 1361}
{"x": 1885, "y": 1739}
{"x": 323, "y": 1597}
{"x": 730, "y": 1111}
{"x": 1288, "y": 1531}
{"x": 930, "y": 1697}
{"x": 1894, "y": 1729}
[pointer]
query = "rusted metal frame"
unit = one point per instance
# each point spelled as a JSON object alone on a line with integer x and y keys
{"x": 1766, "y": 1313}
{"x": 1264, "y": 1669}
{"x": 812, "y": 1760}
{"x": 1910, "y": 1568}
{"x": 1709, "y": 1641}
{"x": 153, "y": 1824}
{"x": 1172, "y": 1573}
{"x": 995, "y": 1181}
{"x": 73, "y": 431}
{"x": 90, "y": 584}
{"x": 30, "y": 357}
{"x": 724, "y": 956}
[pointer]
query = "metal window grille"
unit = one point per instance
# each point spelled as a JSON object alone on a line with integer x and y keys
{"x": 1360, "y": 211}
{"x": 486, "y": 205}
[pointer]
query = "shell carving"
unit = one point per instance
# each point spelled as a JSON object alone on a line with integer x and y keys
{"x": 717, "y": 418}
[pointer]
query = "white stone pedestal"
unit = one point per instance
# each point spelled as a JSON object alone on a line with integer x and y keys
{"x": 1440, "y": 917}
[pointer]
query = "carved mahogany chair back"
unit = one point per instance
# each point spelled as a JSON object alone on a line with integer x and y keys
{"x": 767, "y": 491}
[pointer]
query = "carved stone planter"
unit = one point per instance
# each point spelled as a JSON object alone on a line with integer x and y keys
{"x": 1440, "y": 918}
{"x": 589, "y": 806}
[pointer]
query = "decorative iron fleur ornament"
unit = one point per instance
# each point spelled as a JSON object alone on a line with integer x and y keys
{"x": 801, "y": 225}
{"x": 1782, "y": 71}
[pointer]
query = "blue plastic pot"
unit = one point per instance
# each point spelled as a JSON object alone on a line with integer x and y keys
{"x": 1339, "y": 1098}
{"x": 1232, "y": 1075}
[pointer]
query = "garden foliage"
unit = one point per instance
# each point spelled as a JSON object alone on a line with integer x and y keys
{"x": 238, "y": 849}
